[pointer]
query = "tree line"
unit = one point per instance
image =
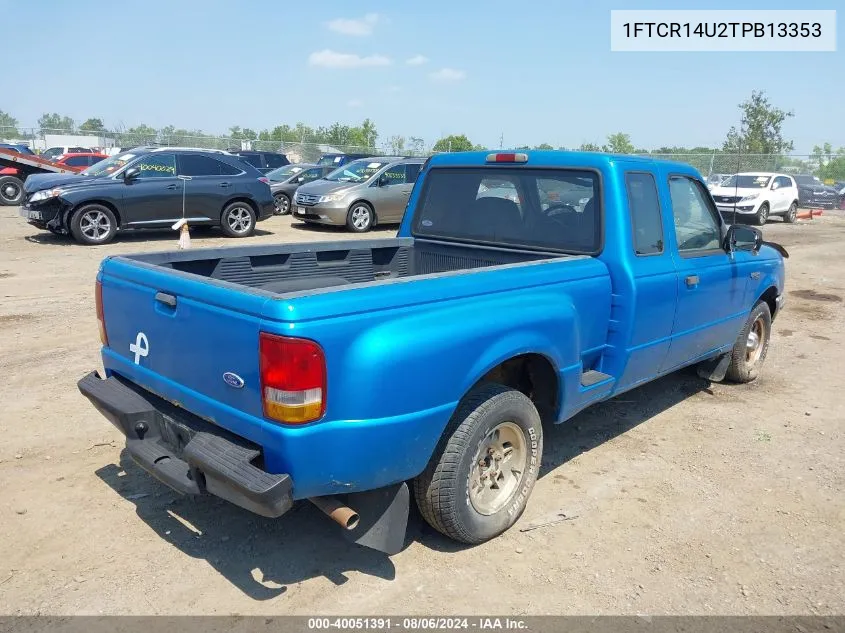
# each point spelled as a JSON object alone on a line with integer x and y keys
{"x": 759, "y": 135}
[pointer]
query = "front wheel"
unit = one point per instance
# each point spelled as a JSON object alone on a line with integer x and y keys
{"x": 791, "y": 214}
{"x": 93, "y": 224}
{"x": 477, "y": 483}
{"x": 11, "y": 191}
{"x": 282, "y": 204}
{"x": 360, "y": 217}
{"x": 762, "y": 214}
{"x": 238, "y": 220}
{"x": 751, "y": 346}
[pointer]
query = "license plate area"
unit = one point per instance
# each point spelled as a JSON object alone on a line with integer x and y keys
{"x": 300, "y": 210}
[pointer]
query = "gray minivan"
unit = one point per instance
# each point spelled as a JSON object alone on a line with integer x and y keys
{"x": 361, "y": 194}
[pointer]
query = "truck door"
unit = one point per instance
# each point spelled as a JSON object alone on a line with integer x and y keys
{"x": 654, "y": 281}
{"x": 711, "y": 287}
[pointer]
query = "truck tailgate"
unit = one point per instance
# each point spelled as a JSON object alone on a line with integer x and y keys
{"x": 179, "y": 333}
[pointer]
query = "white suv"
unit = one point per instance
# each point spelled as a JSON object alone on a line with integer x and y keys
{"x": 755, "y": 196}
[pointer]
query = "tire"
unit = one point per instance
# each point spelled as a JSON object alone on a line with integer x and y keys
{"x": 791, "y": 214}
{"x": 747, "y": 361}
{"x": 282, "y": 203}
{"x": 444, "y": 491}
{"x": 11, "y": 191}
{"x": 360, "y": 217}
{"x": 93, "y": 224}
{"x": 238, "y": 219}
{"x": 762, "y": 214}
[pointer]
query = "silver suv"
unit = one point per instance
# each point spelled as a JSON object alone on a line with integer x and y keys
{"x": 361, "y": 194}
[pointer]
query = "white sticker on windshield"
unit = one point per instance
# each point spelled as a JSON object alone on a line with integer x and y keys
{"x": 427, "y": 223}
{"x": 126, "y": 157}
{"x": 373, "y": 165}
{"x": 337, "y": 159}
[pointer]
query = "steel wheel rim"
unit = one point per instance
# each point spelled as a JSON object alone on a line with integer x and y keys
{"x": 360, "y": 217}
{"x": 498, "y": 468}
{"x": 11, "y": 191}
{"x": 792, "y": 211}
{"x": 764, "y": 213}
{"x": 239, "y": 220}
{"x": 94, "y": 225}
{"x": 755, "y": 342}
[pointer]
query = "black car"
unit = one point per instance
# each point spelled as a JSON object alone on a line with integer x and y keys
{"x": 263, "y": 161}
{"x": 286, "y": 180}
{"x": 813, "y": 193}
{"x": 151, "y": 187}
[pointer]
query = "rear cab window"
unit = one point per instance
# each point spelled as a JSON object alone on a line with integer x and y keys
{"x": 543, "y": 209}
{"x": 646, "y": 218}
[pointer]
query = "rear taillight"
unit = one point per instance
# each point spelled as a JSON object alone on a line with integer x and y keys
{"x": 266, "y": 181}
{"x": 101, "y": 322}
{"x": 293, "y": 379}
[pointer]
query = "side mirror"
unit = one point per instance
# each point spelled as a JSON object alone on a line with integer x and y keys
{"x": 131, "y": 174}
{"x": 743, "y": 238}
{"x": 383, "y": 180}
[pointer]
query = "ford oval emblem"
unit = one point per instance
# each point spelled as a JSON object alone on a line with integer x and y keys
{"x": 233, "y": 380}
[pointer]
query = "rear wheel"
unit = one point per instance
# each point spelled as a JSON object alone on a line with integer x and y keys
{"x": 360, "y": 217}
{"x": 751, "y": 346}
{"x": 791, "y": 214}
{"x": 238, "y": 220}
{"x": 93, "y": 224}
{"x": 478, "y": 481}
{"x": 11, "y": 191}
{"x": 282, "y": 203}
{"x": 762, "y": 214}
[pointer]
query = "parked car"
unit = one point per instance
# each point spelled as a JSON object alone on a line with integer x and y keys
{"x": 714, "y": 180}
{"x": 263, "y": 161}
{"x": 755, "y": 196}
{"x": 286, "y": 180}
{"x": 441, "y": 355}
{"x": 339, "y": 160}
{"x": 361, "y": 194}
{"x": 144, "y": 189}
{"x": 11, "y": 179}
{"x": 813, "y": 193}
{"x": 54, "y": 152}
{"x": 81, "y": 159}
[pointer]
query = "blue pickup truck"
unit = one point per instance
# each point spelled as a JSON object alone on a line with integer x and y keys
{"x": 521, "y": 288}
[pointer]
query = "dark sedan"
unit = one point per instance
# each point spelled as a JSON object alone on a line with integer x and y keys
{"x": 150, "y": 188}
{"x": 813, "y": 193}
{"x": 286, "y": 180}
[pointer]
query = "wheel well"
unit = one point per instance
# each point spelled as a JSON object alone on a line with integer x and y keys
{"x": 108, "y": 205}
{"x": 251, "y": 204}
{"x": 535, "y": 376}
{"x": 770, "y": 297}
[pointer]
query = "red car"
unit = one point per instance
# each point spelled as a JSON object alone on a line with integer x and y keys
{"x": 82, "y": 160}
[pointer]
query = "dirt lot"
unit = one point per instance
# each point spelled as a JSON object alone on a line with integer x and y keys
{"x": 688, "y": 497}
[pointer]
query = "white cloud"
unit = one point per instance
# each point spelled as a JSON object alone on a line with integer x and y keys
{"x": 448, "y": 74}
{"x": 359, "y": 27}
{"x": 332, "y": 59}
{"x": 354, "y": 103}
{"x": 417, "y": 60}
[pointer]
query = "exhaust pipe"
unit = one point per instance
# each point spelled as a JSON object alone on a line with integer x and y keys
{"x": 344, "y": 516}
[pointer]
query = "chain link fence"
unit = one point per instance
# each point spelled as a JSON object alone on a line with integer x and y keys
{"x": 304, "y": 151}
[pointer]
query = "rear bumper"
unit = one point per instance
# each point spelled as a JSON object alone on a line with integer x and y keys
{"x": 188, "y": 454}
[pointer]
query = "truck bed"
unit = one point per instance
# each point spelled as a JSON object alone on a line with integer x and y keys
{"x": 296, "y": 268}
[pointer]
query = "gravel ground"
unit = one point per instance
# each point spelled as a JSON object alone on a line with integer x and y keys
{"x": 688, "y": 498}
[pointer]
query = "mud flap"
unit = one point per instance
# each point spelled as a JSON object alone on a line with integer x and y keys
{"x": 383, "y": 518}
{"x": 714, "y": 369}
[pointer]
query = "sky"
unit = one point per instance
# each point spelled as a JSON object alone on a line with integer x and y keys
{"x": 524, "y": 72}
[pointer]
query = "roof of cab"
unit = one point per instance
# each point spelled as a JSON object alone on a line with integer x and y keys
{"x": 552, "y": 158}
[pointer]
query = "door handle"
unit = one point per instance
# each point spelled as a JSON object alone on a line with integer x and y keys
{"x": 166, "y": 299}
{"x": 171, "y": 186}
{"x": 692, "y": 280}
{"x": 225, "y": 184}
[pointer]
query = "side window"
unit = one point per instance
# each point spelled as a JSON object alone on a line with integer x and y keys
{"x": 396, "y": 175}
{"x": 696, "y": 226}
{"x": 413, "y": 171}
{"x": 77, "y": 161}
{"x": 95, "y": 159}
{"x": 311, "y": 174}
{"x": 645, "y": 213}
{"x": 274, "y": 160}
{"x": 198, "y": 165}
{"x": 252, "y": 159}
{"x": 157, "y": 166}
